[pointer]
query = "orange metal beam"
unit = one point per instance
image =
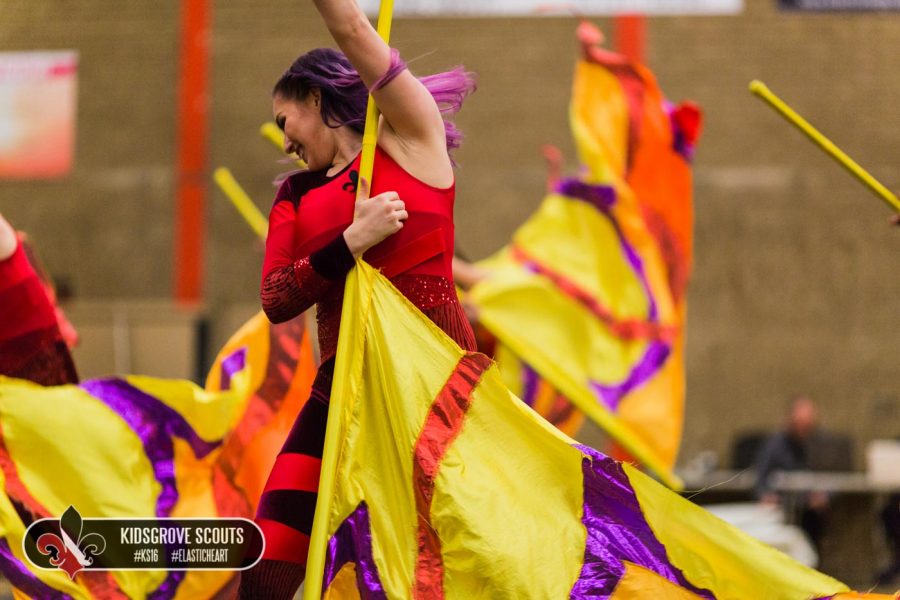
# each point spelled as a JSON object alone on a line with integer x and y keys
{"x": 630, "y": 36}
{"x": 192, "y": 119}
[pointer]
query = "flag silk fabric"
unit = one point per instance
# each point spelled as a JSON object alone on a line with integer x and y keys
{"x": 135, "y": 447}
{"x": 537, "y": 392}
{"x": 438, "y": 483}
{"x": 590, "y": 293}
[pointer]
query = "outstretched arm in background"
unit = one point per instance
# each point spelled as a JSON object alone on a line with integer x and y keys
{"x": 466, "y": 274}
{"x": 31, "y": 345}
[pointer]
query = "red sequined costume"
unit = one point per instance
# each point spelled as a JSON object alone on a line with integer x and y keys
{"x": 31, "y": 345}
{"x": 306, "y": 263}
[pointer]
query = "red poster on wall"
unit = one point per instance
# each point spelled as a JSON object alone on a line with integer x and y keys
{"x": 38, "y": 92}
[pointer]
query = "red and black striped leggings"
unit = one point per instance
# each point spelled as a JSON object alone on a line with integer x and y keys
{"x": 288, "y": 502}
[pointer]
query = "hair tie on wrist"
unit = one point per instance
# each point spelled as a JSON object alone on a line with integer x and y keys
{"x": 396, "y": 67}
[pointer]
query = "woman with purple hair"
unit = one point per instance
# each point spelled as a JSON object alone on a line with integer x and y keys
{"x": 319, "y": 225}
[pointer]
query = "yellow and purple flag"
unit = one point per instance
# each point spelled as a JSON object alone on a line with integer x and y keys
{"x": 137, "y": 447}
{"x": 537, "y": 392}
{"x": 438, "y": 483}
{"x": 590, "y": 293}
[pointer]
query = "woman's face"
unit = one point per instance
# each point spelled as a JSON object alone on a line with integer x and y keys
{"x": 304, "y": 132}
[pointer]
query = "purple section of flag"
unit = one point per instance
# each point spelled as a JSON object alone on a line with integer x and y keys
{"x": 155, "y": 424}
{"x": 352, "y": 543}
{"x": 529, "y": 384}
{"x": 531, "y": 267}
{"x": 232, "y": 364}
{"x": 14, "y": 571}
{"x": 601, "y": 196}
{"x": 654, "y": 357}
{"x": 617, "y": 531}
{"x": 680, "y": 143}
{"x": 637, "y": 264}
{"x": 168, "y": 587}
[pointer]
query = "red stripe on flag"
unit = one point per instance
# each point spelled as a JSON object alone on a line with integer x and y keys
{"x": 271, "y": 398}
{"x": 100, "y": 584}
{"x": 442, "y": 425}
{"x": 629, "y": 329}
{"x": 294, "y": 471}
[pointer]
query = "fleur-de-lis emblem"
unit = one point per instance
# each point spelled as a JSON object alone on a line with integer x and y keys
{"x": 352, "y": 182}
{"x": 70, "y": 550}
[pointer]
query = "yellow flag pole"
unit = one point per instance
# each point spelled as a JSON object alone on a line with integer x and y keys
{"x": 271, "y": 132}
{"x": 241, "y": 201}
{"x": 370, "y": 133}
{"x": 315, "y": 566}
{"x": 759, "y": 89}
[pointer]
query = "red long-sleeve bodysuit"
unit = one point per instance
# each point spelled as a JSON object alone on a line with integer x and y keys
{"x": 305, "y": 264}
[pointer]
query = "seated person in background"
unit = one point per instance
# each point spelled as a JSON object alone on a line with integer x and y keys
{"x": 31, "y": 343}
{"x": 802, "y": 446}
{"x": 890, "y": 518}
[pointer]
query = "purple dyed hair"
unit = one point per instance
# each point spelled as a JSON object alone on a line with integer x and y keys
{"x": 344, "y": 95}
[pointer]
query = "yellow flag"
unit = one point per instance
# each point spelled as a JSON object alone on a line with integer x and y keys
{"x": 439, "y": 483}
{"x": 138, "y": 447}
{"x": 590, "y": 292}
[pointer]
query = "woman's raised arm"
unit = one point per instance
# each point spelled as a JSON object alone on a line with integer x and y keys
{"x": 407, "y": 106}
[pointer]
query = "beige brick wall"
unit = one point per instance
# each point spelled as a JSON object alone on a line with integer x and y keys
{"x": 795, "y": 286}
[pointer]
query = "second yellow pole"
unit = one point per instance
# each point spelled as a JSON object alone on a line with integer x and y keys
{"x": 759, "y": 89}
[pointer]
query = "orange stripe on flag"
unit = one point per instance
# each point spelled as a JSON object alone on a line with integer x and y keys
{"x": 442, "y": 425}
{"x": 15, "y": 489}
{"x": 629, "y": 329}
